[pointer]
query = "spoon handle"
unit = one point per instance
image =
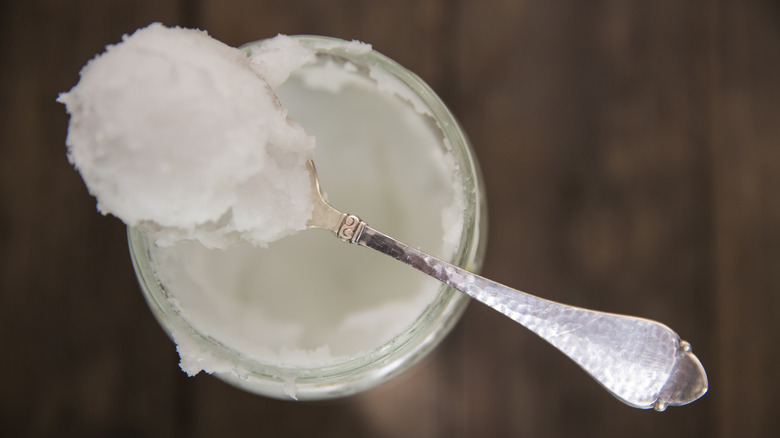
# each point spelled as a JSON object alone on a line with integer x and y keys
{"x": 641, "y": 362}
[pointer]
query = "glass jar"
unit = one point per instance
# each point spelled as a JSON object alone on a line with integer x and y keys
{"x": 440, "y": 313}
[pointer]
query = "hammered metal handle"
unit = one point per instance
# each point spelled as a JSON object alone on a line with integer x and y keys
{"x": 641, "y": 362}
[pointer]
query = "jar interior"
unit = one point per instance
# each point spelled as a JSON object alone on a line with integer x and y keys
{"x": 309, "y": 305}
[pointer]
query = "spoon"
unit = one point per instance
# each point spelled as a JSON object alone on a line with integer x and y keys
{"x": 643, "y": 363}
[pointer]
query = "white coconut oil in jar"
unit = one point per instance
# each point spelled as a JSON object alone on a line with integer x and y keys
{"x": 311, "y": 317}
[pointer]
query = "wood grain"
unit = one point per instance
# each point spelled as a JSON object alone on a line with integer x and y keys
{"x": 631, "y": 153}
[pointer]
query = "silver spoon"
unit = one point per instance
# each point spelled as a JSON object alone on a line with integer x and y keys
{"x": 641, "y": 362}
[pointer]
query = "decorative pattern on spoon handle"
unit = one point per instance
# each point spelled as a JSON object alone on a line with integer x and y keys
{"x": 642, "y": 362}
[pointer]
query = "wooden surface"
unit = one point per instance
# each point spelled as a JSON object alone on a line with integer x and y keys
{"x": 631, "y": 152}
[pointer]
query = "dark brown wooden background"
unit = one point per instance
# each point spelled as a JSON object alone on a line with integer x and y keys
{"x": 631, "y": 152}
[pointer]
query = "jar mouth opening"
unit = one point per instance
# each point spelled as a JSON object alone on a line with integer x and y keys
{"x": 405, "y": 348}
